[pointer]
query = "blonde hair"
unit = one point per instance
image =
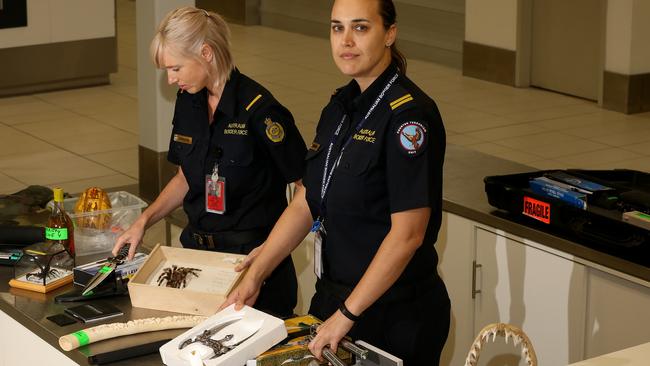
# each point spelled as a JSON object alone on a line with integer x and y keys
{"x": 185, "y": 30}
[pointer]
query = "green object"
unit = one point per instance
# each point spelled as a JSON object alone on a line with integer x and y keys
{"x": 82, "y": 337}
{"x": 56, "y": 233}
{"x": 642, "y": 215}
{"x": 105, "y": 269}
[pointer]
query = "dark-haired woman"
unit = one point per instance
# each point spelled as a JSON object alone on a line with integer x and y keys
{"x": 372, "y": 196}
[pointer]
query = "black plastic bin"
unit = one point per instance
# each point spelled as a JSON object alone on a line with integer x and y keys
{"x": 600, "y": 225}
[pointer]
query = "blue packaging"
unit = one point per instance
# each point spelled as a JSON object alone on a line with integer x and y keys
{"x": 578, "y": 182}
{"x": 548, "y": 188}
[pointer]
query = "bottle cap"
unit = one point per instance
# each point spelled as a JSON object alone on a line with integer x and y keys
{"x": 58, "y": 194}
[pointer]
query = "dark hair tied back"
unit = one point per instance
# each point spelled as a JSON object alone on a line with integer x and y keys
{"x": 389, "y": 17}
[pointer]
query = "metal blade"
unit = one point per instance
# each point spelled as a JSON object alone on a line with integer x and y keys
{"x": 100, "y": 276}
{"x": 210, "y": 332}
{"x": 228, "y": 348}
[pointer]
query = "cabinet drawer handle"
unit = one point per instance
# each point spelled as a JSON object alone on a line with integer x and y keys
{"x": 475, "y": 266}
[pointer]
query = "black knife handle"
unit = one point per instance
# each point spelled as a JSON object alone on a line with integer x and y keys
{"x": 121, "y": 256}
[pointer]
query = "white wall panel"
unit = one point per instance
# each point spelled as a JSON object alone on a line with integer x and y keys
{"x": 37, "y": 30}
{"x": 52, "y": 21}
{"x": 492, "y": 23}
{"x": 74, "y": 20}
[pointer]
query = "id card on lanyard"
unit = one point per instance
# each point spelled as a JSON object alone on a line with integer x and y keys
{"x": 215, "y": 192}
{"x": 318, "y": 227}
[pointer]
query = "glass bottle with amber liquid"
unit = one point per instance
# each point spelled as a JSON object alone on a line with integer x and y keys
{"x": 60, "y": 228}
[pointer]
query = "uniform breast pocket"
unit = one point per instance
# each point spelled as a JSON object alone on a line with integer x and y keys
{"x": 239, "y": 157}
{"x": 351, "y": 187}
{"x": 240, "y": 169}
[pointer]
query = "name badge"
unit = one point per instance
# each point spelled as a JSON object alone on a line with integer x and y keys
{"x": 215, "y": 194}
{"x": 318, "y": 256}
{"x": 183, "y": 139}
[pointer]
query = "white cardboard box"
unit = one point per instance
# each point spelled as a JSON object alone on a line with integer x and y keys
{"x": 258, "y": 331}
{"x": 204, "y": 293}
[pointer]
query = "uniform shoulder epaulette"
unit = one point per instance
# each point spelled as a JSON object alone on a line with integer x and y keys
{"x": 399, "y": 99}
{"x": 253, "y": 101}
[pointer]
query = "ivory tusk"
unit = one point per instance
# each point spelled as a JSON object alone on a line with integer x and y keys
{"x": 106, "y": 331}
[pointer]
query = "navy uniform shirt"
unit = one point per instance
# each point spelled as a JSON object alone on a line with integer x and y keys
{"x": 392, "y": 164}
{"x": 254, "y": 140}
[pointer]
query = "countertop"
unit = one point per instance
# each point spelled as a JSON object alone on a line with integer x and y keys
{"x": 633, "y": 356}
{"x": 464, "y": 195}
{"x": 32, "y": 308}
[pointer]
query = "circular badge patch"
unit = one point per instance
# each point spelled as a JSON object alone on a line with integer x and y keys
{"x": 412, "y": 137}
{"x": 274, "y": 130}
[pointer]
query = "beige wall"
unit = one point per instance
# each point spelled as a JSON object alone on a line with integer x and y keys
{"x": 155, "y": 97}
{"x": 618, "y": 38}
{"x": 640, "y": 60}
{"x": 52, "y": 21}
{"x": 492, "y": 23}
{"x": 628, "y": 36}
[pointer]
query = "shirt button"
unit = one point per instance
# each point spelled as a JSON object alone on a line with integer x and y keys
{"x": 347, "y": 165}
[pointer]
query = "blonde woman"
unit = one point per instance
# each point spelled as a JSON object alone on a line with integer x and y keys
{"x": 235, "y": 145}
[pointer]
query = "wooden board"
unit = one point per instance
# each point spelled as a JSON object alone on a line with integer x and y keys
{"x": 40, "y": 288}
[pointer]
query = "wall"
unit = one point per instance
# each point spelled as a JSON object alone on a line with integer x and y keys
{"x": 626, "y": 78}
{"x": 51, "y": 21}
{"x": 66, "y": 44}
{"x": 627, "y": 37}
{"x": 155, "y": 101}
{"x": 428, "y": 29}
{"x": 492, "y": 23}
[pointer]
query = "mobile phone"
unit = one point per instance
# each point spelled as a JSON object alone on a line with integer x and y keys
{"x": 94, "y": 312}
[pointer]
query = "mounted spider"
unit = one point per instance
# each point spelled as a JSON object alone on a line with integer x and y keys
{"x": 176, "y": 277}
{"x": 43, "y": 274}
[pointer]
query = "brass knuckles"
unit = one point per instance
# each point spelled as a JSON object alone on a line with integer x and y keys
{"x": 347, "y": 345}
{"x": 354, "y": 349}
{"x": 330, "y": 356}
{"x": 208, "y": 333}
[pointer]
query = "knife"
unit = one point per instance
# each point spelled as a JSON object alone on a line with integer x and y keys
{"x": 208, "y": 333}
{"x": 105, "y": 270}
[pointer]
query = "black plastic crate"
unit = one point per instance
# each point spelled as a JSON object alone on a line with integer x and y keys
{"x": 600, "y": 225}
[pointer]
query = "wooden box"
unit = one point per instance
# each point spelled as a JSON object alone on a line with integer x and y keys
{"x": 202, "y": 295}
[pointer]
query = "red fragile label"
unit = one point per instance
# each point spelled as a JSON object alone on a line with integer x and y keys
{"x": 537, "y": 209}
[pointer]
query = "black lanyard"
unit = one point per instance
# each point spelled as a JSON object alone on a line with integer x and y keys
{"x": 329, "y": 172}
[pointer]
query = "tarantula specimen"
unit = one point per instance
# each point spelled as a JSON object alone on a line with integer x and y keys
{"x": 176, "y": 277}
{"x": 43, "y": 273}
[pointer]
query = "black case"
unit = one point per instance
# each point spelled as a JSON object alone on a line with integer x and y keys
{"x": 601, "y": 225}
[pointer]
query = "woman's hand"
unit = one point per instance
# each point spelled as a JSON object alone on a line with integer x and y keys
{"x": 131, "y": 236}
{"x": 244, "y": 294}
{"x": 330, "y": 333}
{"x": 249, "y": 259}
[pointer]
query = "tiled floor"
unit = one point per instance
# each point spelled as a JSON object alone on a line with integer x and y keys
{"x": 77, "y": 138}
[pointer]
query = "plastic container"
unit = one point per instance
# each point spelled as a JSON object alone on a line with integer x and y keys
{"x": 126, "y": 208}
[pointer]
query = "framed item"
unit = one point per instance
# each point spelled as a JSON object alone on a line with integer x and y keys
{"x": 13, "y": 13}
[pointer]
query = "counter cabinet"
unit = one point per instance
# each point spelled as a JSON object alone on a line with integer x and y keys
{"x": 570, "y": 308}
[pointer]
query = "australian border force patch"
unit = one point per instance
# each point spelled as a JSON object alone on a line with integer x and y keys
{"x": 274, "y": 130}
{"x": 412, "y": 137}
